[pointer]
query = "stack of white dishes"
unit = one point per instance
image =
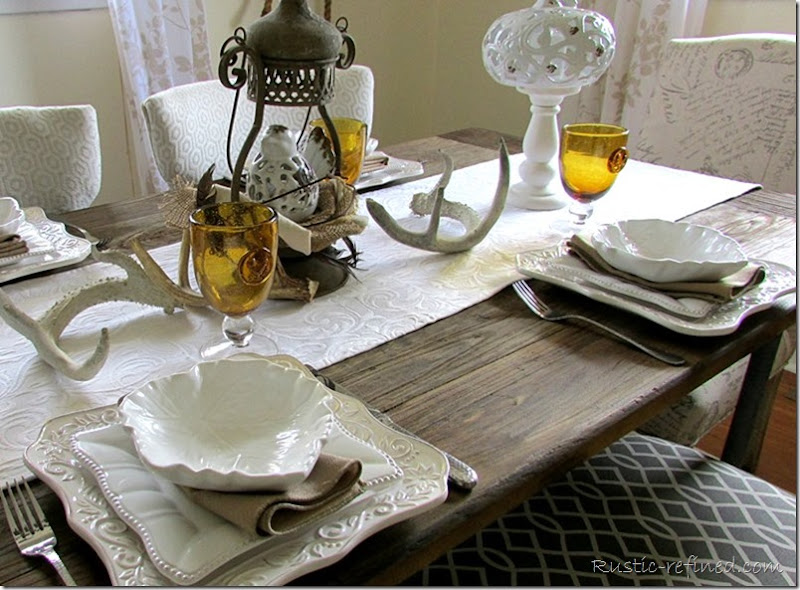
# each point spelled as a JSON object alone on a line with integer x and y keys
{"x": 47, "y": 243}
{"x": 14, "y": 226}
{"x": 689, "y": 278}
{"x": 245, "y": 424}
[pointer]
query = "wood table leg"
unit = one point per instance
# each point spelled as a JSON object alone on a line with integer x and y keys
{"x": 751, "y": 416}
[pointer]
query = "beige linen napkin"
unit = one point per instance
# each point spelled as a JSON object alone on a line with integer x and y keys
{"x": 12, "y": 245}
{"x": 333, "y": 483}
{"x": 720, "y": 291}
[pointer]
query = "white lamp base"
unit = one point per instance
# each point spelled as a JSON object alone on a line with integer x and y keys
{"x": 541, "y": 188}
{"x": 521, "y": 195}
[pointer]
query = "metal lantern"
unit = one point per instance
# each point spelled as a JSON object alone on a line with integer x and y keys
{"x": 286, "y": 58}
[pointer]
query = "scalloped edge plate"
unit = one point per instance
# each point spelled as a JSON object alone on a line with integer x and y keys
{"x": 186, "y": 542}
{"x": 65, "y": 249}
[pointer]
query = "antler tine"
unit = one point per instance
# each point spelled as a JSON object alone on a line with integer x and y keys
{"x": 436, "y": 205}
{"x": 181, "y": 291}
{"x": 47, "y": 347}
{"x": 444, "y": 179}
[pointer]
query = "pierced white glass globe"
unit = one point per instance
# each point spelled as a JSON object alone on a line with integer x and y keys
{"x": 549, "y": 45}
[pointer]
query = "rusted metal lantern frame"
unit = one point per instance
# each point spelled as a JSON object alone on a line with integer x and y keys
{"x": 282, "y": 81}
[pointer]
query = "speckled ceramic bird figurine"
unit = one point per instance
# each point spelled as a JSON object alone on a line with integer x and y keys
{"x": 282, "y": 177}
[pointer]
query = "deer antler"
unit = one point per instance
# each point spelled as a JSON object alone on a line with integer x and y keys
{"x": 147, "y": 283}
{"x": 434, "y": 204}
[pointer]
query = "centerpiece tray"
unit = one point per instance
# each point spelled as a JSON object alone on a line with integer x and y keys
{"x": 420, "y": 484}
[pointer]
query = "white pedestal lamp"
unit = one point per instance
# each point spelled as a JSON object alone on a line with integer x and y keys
{"x": 548, "y": 51}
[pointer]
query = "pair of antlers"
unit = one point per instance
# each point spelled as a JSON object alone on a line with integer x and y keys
{"x": 147, "y": 282}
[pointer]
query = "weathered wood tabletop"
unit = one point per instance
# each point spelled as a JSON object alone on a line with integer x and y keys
{"x": 521, "y": 400}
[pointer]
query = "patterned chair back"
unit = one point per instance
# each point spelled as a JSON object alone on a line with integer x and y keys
{"x": 50, "y": 156}
{"x": 726, "y": 106}
{"x": 188, "y": 125}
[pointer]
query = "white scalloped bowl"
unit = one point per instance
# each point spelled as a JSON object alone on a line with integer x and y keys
{"x": 230, "y": 425}
{"x": 666, "y": 251}
{"x": 11, "y": 216}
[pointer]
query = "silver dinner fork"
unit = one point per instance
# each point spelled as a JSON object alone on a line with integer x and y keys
{"x": 545, "y": 312}
{"x": 29, "y": 526}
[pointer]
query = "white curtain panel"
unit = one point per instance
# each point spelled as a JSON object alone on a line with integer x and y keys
{"x": 642, "y": 28}
{"x": 161, "y": 44}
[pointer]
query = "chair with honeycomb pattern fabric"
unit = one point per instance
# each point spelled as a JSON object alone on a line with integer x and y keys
{"x": 50, "y": 156}
{"x": 188, "y": 125}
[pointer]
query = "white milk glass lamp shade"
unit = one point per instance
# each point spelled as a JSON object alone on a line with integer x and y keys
{"x": 550, "y": 45}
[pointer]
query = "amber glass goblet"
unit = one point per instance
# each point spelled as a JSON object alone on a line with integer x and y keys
{"x": 234, "y": 251}
{"x": 590, "y": 157}
{"x": 353, "y": 142}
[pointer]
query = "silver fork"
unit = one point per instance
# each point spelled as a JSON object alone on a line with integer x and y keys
{"x": 544, "y": 311}
{"x": 29, "y": 526}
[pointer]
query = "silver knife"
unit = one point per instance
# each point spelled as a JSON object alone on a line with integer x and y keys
{"x": 461, "y": 474}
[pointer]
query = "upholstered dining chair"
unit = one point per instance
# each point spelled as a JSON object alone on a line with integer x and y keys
{"x": 725, "y": 106}
{"x": 50, "y": 156}
{"x": 188, "y": 125}
{"x": 645, "y": 511}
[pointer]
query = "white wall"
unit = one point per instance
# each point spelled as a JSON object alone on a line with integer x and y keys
{"x": 425, "y": 55}
{"x": 724, "y": 17}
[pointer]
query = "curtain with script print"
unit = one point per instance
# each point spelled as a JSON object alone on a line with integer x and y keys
{"x": 161, "y": 43}
{"x": 642, "y": 28}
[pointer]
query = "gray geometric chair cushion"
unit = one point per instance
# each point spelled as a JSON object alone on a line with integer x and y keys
{"x": 643, "y": 512}
{"x": 188, "y": 124}
{"x": 50, "y": 156}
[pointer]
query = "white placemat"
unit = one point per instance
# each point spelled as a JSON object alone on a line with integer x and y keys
{"x": 398, "y": 289}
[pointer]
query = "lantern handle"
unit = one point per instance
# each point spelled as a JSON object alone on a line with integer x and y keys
{"x": 347, "y": 57}
{"x": 234, "y": 50}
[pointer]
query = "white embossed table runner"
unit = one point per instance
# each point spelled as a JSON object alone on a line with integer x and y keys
{"x": 397, "y": 290}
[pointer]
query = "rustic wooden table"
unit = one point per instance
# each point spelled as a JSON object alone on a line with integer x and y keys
{"x": 521, "y": 400}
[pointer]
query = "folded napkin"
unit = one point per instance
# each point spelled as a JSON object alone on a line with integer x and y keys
{"x": 12, "y": 246}
{"x": 720, "y": 291}
{"x": 332, "y": 484}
